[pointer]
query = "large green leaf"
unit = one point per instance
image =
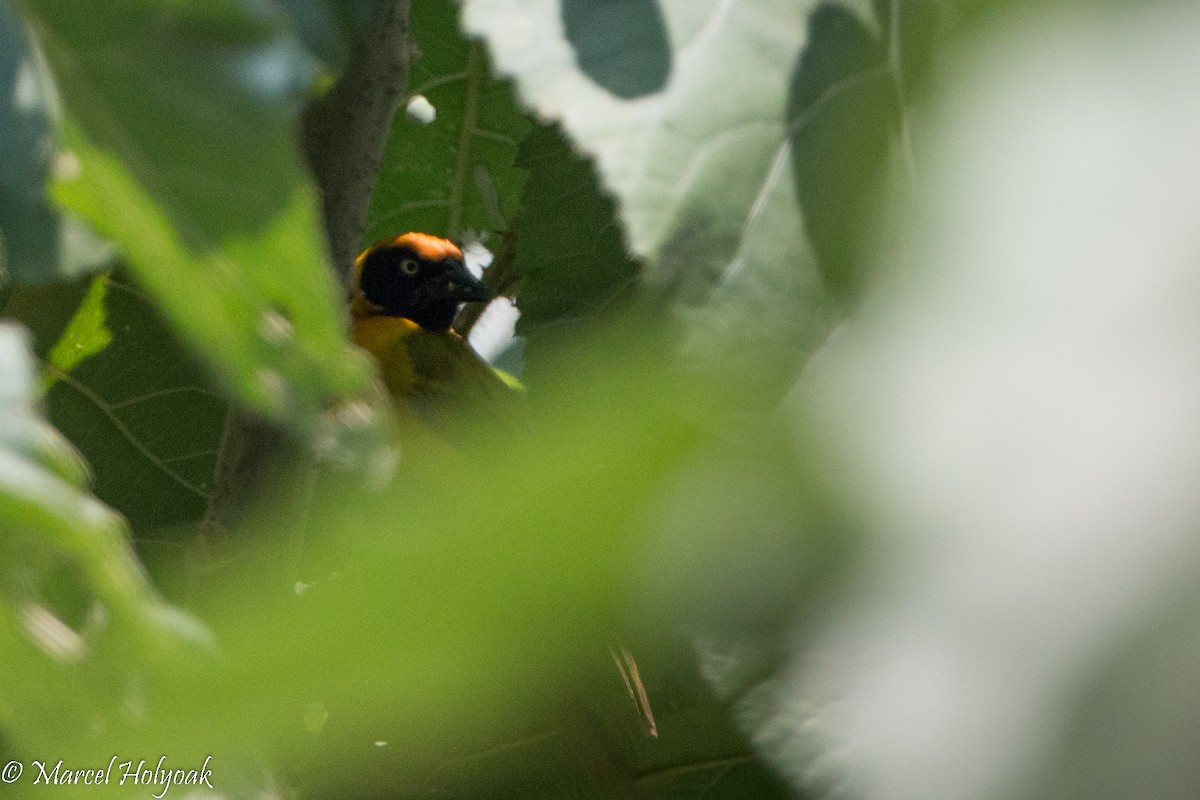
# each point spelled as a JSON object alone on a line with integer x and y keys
{"x": 185, "y": 159}
{"x": 454, "y": 174}
{"x": 81, "y": 628}
{"x": 571, "y": 261}
{"x": 137, "y": 405}
{"x": 700, "y": 169}
{"x": 742, "y": 176}
{"x": 192, "y": 98}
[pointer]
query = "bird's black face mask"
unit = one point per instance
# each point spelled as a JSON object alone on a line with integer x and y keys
{"x": 428, "y": 291}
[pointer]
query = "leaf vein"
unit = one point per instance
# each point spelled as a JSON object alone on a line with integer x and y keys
{"x": 104, "y": 408}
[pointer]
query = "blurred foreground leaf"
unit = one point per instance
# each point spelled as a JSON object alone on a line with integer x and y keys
{"x": 203, "y": 109}
{"x": 37, "y": 242}
{"x": 510, "y": 558}
{"x": 471, "y": 600}
{"x": 83, "y": 633}
{"x": 191, "y": 169}
{"x": 1014, "y": 418}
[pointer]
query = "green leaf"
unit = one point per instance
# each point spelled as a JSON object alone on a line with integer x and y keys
{"x": 723, "y": 170}
{"x": 468, "y": 557}
{"x": 842, "y": 111}
{"x": 88, "y": 332}
{"x": 186, "y": 160}
{"x": 197, "y": 106}
{"x": 455, "y": 174}
{"x": 473, "y": 599}
{"x": 140, "y": 409}
{"x": 571, "y": 261}
{"x": 80, "y": 627}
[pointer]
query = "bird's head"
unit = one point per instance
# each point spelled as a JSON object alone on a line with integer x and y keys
{"x": 415, "y": 276}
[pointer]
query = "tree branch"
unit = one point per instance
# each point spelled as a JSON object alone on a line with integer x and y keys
{"x": 343, "y": 135}
{"x": 345, "y": 130}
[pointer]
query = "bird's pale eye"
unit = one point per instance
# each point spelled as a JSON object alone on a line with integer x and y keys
{"x": 409, "y": 267}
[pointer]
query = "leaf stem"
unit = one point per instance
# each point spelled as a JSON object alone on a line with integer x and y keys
{"x": 470, "y": 119}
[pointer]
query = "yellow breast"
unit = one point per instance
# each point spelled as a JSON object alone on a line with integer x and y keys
{"x": 437, "y": 380}
{"x": 383, "y": 338}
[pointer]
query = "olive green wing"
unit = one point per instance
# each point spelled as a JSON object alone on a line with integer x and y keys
{"x": 455, "y": 391}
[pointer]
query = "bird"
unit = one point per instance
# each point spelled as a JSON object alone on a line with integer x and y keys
{"x": 405, "y": 293}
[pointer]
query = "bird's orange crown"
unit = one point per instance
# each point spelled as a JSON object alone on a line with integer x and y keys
{"x": 414, "y": 276}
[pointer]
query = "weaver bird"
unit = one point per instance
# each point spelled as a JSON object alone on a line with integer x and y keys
{"x": 406, "y": 293}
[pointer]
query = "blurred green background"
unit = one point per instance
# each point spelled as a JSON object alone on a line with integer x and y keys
{"x": 806, "y": 291}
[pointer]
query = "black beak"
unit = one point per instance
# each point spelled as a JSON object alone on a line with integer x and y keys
{"x": 463, "y": 287}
